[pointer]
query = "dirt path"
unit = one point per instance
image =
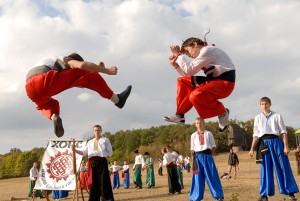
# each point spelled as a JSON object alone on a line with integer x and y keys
{"x": 245, "y": 187}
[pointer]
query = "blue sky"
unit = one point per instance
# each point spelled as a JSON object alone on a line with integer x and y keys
{"x": 261, "y": 37}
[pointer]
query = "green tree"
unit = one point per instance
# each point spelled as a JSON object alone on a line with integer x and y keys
{"x": 147, "y": 137}
{"x": 10, "y": 164}
{"x": 24, "y": 163}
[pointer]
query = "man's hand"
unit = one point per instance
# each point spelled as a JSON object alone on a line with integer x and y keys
{"x": 286, "y": 150}
{"x": 113, "y": 70}
{"x": 251, "y": 153}
{"x": 175, "y": 49}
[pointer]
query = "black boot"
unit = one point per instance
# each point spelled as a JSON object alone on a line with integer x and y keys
{"x": 58, "y": 127}
{"x": 123, "y": 97}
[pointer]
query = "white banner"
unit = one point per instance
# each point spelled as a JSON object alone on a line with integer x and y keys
{"x": 56, "y": 170}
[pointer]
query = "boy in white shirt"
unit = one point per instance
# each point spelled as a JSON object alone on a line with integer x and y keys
{"x": 202, "y": 146}
{"x": 271, "y": 153}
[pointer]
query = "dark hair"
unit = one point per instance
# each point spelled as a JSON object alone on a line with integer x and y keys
{"x": 73, "y": 56}
{"x": 136, "y": 151}
{"x": 146, "y": 153}
{"x": 265, "y": 99}
{"x": 97, "y": 126}
{"x": 190, "y": 42}
{"x": 164, "y": 150}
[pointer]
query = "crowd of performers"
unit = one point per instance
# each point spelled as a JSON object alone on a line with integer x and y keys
{"x": 142, "y": 163}
{"x": 203, "y": 168}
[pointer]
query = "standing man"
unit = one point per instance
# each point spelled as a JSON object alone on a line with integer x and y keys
{"x": 168, "y": 161}
{"x": 203, "y": 146}
{"x": 97, "y": 149}
{"x": 125, "y": 175}
{"x": 272, "y": 153}
{"x": 150, "y": 179}
{"x": 55, "y": 75}
{"x": 233, "y": 162}
{"x": 115, "y": 168}
{"x": 33, "y": 175}
{"x": 139, "y": 164}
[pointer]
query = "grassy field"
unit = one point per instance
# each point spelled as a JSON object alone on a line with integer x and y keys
{"x": 244, "y": 188}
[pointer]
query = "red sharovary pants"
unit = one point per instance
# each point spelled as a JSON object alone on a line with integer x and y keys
{"x": 203, "y": 97}
{"x": 40, "y": 88}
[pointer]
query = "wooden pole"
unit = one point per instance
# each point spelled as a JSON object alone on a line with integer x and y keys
{"x": 74, "y": 169}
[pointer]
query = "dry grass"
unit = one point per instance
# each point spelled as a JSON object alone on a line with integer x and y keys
{"x": 244, "y": 188}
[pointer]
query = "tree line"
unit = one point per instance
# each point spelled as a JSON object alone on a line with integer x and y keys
{"x": 17, "y": 163}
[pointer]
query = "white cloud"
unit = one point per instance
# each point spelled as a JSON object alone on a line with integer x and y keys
{"x": 261, "y": 38}
{"x": 84, "y": 97}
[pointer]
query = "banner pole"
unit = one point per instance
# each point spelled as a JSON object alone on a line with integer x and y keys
{"x": 74, "y": 170}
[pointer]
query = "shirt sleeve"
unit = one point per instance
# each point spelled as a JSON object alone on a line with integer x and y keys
{"x": 31, "y": 174}
{"x": 255, "y": 127}
{"x": 192, "y": 142}
{"x": 165, "y": 160}
{"x": 84, "y": 150}
{"x": 281, "y": 125}
{"x": 108, "y": 147}
{"x": 143, "y": 161}
{"x": 212, "y": 140}
{"x": 193, "y": 67}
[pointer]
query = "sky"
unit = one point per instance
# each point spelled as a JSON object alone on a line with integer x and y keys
{"x": 261, "y": 37}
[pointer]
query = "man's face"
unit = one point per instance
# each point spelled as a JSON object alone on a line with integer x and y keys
{"x": 199, "y": 125}
{"x": 265, "y": 106}
{"x": 192, "y": 51}
{"x": 97, "y": 132}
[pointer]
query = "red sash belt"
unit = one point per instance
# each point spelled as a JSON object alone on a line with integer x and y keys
{"x": 171, "y": 164}
{"x": 90, "y": 172}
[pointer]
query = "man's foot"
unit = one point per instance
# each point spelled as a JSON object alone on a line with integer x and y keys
{"x": 263, "y": 198}
{"x": 175, "y": 119}
{"x": 220, "y": 199}
{"x": 292, "y": 197}
{"x": 223, "y": 121}
{"x": 123, "y": 97}
{"x": 58, "y": 127}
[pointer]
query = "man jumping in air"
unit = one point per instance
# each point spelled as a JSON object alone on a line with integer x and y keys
{"x": 55, "y": 75}
{"x": 202, "y": 92}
